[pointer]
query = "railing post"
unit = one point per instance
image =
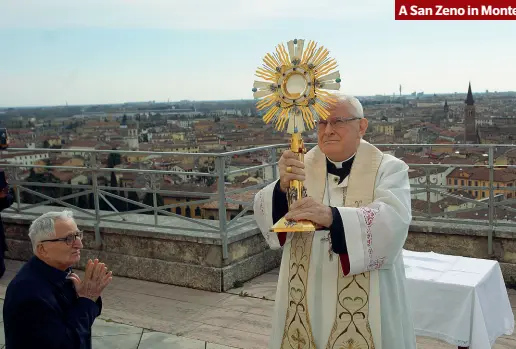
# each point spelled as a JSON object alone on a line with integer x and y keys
{"x": 95, "y": 189}
{"x": 12, "y": 173}
{"x": 18, "y": 199}
{"x": 491, "y": 202}
{"x": 273, "y": 161}
{"x": 220, "y": 167}
{"x": 155, "y": 205}
{"x": 154, "y": 186}
{"x": 427, "y": 180}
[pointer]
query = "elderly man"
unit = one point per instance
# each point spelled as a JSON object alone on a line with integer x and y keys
{"x": 341, "y": 286}
{"x": 46, "y": 304}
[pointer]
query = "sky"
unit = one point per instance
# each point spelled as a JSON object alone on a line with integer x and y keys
{"x": 54, "y": 52}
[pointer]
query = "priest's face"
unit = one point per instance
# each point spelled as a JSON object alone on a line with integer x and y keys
{"x": 339, "y": 135}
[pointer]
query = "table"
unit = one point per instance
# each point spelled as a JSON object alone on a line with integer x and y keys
{"x": 462, "y": 301}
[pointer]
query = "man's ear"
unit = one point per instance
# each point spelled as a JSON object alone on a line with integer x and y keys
{"x": 42, "y": 251}
{"x": 363, "y": 126}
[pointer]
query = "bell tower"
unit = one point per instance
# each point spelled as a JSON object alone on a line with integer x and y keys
{"x": 470, "y": 127}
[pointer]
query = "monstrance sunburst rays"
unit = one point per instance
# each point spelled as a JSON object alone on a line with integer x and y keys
{"x": 295, "y": 84}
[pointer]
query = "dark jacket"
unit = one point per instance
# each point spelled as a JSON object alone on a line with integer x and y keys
{"x": 42, "y": 310}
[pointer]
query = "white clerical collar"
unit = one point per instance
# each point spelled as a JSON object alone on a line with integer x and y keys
{"x": 340, "y": 163}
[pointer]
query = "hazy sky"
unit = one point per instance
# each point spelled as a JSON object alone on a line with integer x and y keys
{"x": 110, "y": 51}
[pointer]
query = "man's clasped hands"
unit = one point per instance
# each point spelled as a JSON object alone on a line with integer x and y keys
{"x": 96, "y": 278}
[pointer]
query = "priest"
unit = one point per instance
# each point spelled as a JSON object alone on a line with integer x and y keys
{"x": 342, "y": 286}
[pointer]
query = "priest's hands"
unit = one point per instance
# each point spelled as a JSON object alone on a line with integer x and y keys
{"x": 290, "y": 169}
{"x": 309, "y": 209}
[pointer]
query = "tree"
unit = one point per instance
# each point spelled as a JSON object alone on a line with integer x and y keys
{"x": 44, "y": 177}
{"x": 84, "y": 202}
{"x": 148, "y": 200}
{"x": 91, "y": 198}
{"x": 68, "y": 191}
{"x": 46, "y": 144}
{"x": 113, "y": 160}
{"x": 103, "y": 205}
{"x": 113, "y": 182}
{"x": 210, "y": 181}
{"x": 119, "y": 204}
{"x": 132, "y": 195}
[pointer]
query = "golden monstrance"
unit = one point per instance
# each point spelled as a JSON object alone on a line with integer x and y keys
{"x": 293, "y": 96}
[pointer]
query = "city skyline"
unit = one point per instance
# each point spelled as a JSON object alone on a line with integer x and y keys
{"x": 109, "y": 52}
{"x": 172, "y": 101}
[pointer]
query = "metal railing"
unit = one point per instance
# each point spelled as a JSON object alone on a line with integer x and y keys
{"x": 98, "y": 202}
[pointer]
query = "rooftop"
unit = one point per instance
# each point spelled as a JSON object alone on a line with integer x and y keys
{"x": 140, "y": 314}
{"x": 146, "y": 315}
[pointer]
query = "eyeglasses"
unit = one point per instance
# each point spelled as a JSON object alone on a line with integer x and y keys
{"x": 70, "y": 239}
{"x": 337, "y": 122}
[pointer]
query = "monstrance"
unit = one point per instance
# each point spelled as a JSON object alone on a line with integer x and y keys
{"x": 293, "y": 96}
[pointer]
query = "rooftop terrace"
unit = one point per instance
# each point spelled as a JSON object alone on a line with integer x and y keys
{"x": 145, "y": 315}
{"x": 171, "y": 236}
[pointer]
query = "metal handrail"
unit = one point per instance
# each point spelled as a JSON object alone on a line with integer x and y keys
{"x": 219, "y": 171}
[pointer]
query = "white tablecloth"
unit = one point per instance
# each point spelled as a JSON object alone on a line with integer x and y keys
{"x": 460, "y": 300}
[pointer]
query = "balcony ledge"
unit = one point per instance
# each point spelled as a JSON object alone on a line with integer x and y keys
{"x": 193, "y": 258}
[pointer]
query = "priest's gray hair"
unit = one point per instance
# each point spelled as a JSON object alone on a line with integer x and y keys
{"x": 42, "y": 228}
{"x": 355, "y": 107}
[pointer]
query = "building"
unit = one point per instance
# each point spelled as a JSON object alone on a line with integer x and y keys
{"x": 504, "y": 181}
{"x": 23, "y": 158}
{"x": 385, "y": 128}
{"x": 130, "y": 134}
{"x": 484, "y": 122}
{"x": 470, "y": 127}
{"x": 434, "y": 177}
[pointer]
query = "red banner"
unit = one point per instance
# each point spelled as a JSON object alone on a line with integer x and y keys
{"x": 455, "y": 10}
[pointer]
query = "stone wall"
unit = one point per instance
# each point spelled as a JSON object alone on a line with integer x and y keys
{"x": 190, "y": 258}
{"x": 185, "y": 258}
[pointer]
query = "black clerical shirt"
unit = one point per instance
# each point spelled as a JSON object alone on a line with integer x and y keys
{"x": 337, "y": 233}
{"x": 42, "y": 310}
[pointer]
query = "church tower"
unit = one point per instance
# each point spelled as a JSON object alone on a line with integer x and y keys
{"x": 129, "y": 133}
{"x": 123, "y": 127}
{"x": 446, "y": 114}
{"x": 470, "y": 127}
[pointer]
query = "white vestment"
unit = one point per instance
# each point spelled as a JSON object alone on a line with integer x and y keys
{"x": 375, "y": 234}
